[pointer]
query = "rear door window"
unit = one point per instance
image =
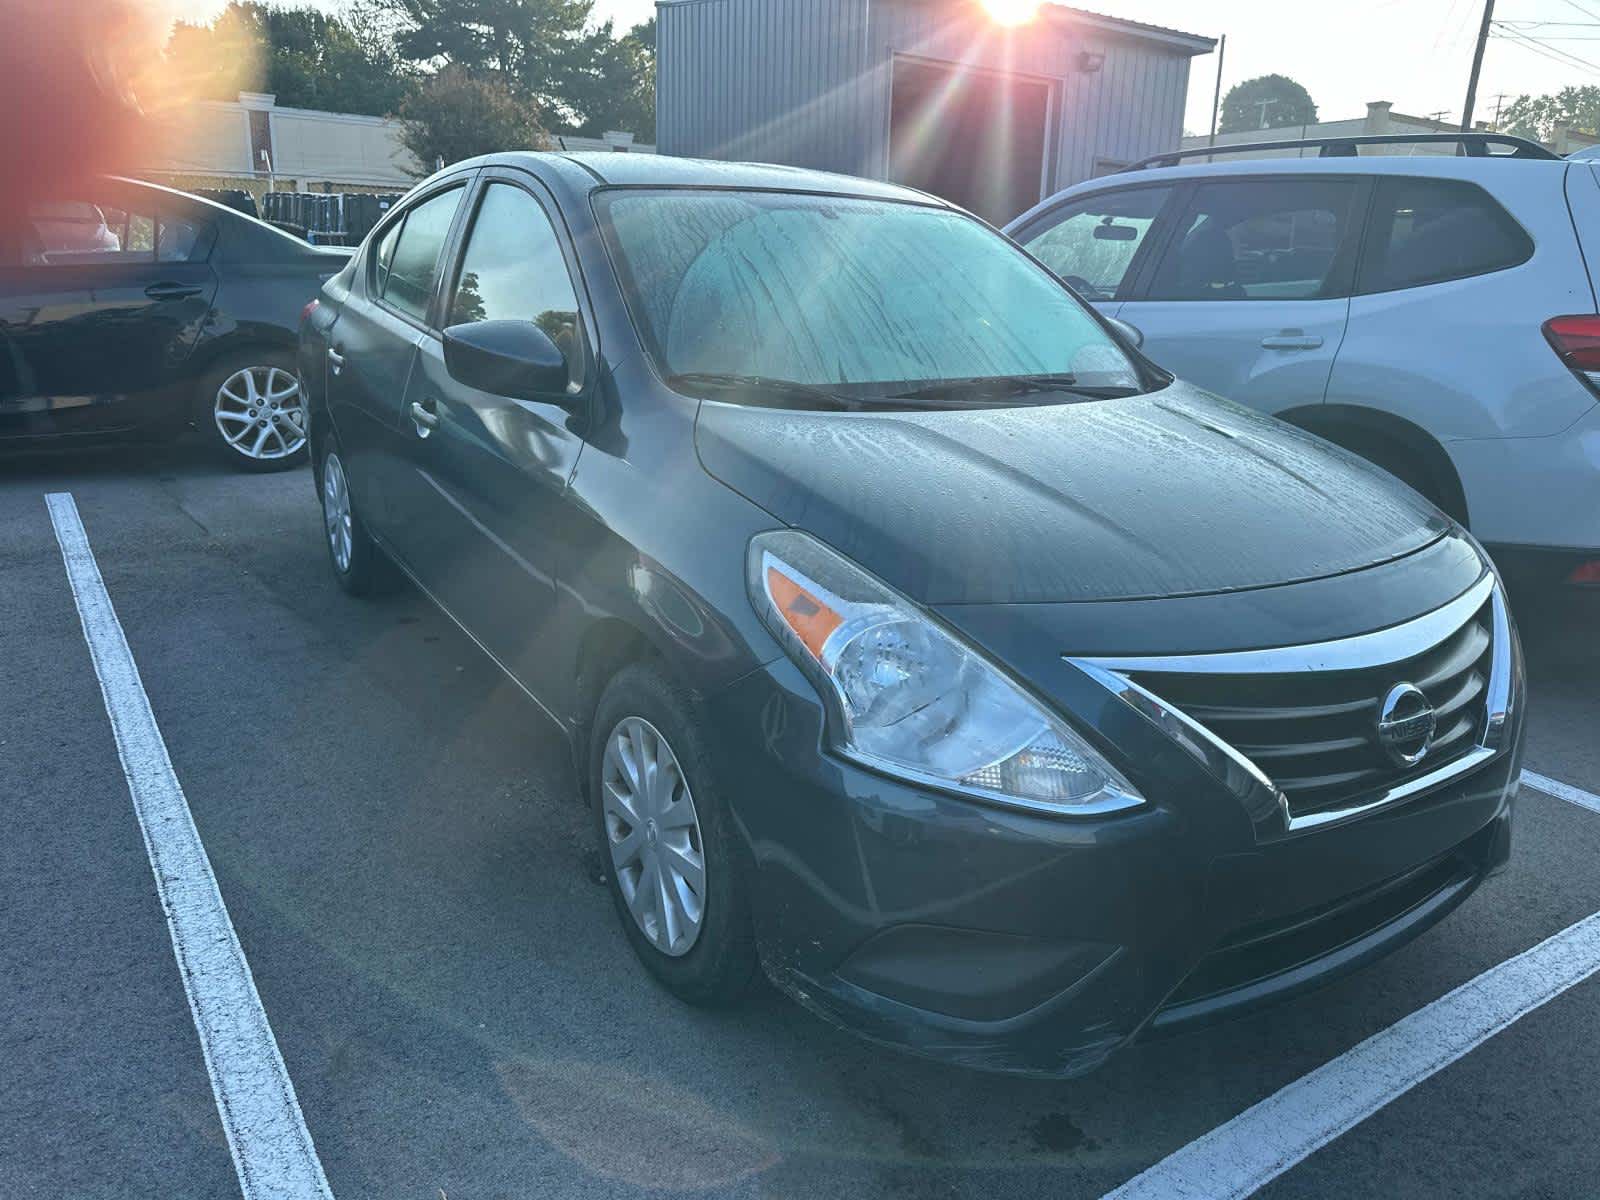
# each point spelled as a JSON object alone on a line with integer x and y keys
{"x": 114, "y": 228}
{"x": 1262, "y": 239}
{"x": 1091, "y": 243}
{"x": 413, "y": 266}
{"x": 67, "y": 233}
{"x": 1429, "y": 230}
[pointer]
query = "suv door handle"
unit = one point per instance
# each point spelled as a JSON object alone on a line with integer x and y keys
{"x": 167, "y": 290}
{"x": 335, "y": 360}
{"x": 427, "y": 420}
{"x": 1291, "y": 339}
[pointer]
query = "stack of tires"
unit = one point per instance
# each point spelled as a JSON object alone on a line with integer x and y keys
{"x": 330, "y": 219}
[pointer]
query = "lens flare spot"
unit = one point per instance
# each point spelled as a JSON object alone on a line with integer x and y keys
{"x": 1011, "y": 12}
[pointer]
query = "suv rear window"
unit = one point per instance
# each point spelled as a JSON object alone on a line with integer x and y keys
{"x": 1430, "y": 230}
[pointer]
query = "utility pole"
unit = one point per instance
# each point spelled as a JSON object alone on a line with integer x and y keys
{"x": 1500, "y": 98}
{"x": 1477, "y": 65}
{"x": 1263, "y": 105}
{"x": 1216, "y": 96}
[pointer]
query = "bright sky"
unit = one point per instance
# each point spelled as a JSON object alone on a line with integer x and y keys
{"x": 1415, "y": 53}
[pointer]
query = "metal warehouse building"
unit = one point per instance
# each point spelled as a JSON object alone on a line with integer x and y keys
{"x": 937, "y": 94}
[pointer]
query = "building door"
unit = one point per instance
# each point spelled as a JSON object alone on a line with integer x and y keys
{"x": 977, "y": 138}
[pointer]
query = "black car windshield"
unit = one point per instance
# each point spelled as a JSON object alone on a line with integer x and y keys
{"x": 855, "y": 295}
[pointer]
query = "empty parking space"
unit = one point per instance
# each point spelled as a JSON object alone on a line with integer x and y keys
{"x": 394, "y": 830}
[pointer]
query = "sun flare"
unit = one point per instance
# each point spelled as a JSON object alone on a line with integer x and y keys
{"x": 1011, "y": 12}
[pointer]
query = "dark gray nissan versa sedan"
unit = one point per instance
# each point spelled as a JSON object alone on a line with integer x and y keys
{"x": 919, "y": 642}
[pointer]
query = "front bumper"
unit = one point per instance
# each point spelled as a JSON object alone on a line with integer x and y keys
{"x": 1010, "y": 941}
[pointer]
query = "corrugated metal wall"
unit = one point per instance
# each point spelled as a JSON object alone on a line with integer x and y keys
{"x": 807, "y": 82}
{"x": 783, "y": 81}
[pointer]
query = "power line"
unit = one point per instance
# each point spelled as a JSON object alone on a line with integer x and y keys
{"x": 1549, "y": 51}
{"x": 1564, "y": 57}
{"x": 1576, "y": 7}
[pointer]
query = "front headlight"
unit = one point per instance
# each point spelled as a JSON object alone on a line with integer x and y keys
{"x": 908, "y": 698}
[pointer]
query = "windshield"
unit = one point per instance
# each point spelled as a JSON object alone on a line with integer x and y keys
{"x": 837, "y": 292}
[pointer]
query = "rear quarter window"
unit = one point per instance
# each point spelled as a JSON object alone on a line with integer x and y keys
{"x": 1431, "y": 230}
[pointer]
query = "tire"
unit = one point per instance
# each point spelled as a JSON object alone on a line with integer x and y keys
{"x": 359, "y": 565}
{"x": 715, "y": 965}
{"x": 250, "y": 409}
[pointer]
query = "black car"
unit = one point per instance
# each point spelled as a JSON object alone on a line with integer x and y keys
{"x": 130, "y": 308}
{"x": 917, "y": 640}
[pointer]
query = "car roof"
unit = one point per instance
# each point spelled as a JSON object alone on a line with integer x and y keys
{"x": 604, "y": 169}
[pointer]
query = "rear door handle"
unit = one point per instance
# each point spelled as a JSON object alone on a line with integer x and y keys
{"x": 172, "y": 291}
{"x": 1291, "y": 339}
{"x": 335, "y": 360}
{"x": 427, "y": 420}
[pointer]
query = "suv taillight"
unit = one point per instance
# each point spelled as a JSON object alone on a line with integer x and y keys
{"x": 1576, "y": 340}
{"x": 312, "y": 307}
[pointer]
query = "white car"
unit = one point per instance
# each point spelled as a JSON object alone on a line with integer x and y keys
{"x": 1434, "y": 313}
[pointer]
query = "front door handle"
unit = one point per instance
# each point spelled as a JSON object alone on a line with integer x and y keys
{"x": 1291, "y": 339}
{"x": 426, "y": 419}
{"x": 335, "y": 360}
{"x": 167, "y": 290}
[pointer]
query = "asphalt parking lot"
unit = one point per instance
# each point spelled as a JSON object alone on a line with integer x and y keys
{"x": 394, "y": 829}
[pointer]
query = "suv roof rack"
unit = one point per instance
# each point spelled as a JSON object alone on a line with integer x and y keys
{"x": 1473, "y": 144}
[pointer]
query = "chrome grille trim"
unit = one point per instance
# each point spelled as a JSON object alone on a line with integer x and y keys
{"x": 1365, "y": 650}
{"x": 1266, "y": 803}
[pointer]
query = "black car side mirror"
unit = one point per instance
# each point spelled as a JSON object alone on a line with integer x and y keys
{"x": 508, "y": 358}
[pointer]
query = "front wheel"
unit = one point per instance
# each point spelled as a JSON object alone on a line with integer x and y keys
{"x": 252, "y": 410}
{"x": 667, "y": 842}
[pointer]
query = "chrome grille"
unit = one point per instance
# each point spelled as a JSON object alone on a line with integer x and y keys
{"x": 1314, "y": 733}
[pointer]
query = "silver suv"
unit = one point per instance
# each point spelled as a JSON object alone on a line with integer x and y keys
{"x": 1435, "y": 313}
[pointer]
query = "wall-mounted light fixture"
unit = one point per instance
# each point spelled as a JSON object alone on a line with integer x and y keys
{"x": 1090, "y": 61}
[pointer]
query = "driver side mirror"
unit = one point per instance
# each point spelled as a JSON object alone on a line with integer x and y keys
{"x": 507, "y": 358}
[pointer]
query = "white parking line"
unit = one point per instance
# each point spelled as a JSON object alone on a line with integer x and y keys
{"x": 1264, "y": 1141}
{"x": 1562, "y": 791}
{"x": 267, "y": 1136}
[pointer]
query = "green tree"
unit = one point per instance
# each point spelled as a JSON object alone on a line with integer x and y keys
{"x": 305, "y": 57}
{"x": 1266, "y": 102}
{"x": 531, "y": 44}
{"x": 455, "y": 114}
{"x": 612, "y": 85}
{"x": 1539, "y": 117}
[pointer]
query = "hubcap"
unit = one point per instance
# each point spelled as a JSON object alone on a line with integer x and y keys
{"x": 336, "y": 511}
{"x": 653, "y": 832}
{"x": 259, "y": 412}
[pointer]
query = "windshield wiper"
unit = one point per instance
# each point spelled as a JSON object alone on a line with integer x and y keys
{"x": 998, "y": 387}
{"x": 763, "y": 385}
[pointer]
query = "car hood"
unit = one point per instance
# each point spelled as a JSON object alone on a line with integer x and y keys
{"x": 1173, "y": 493}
